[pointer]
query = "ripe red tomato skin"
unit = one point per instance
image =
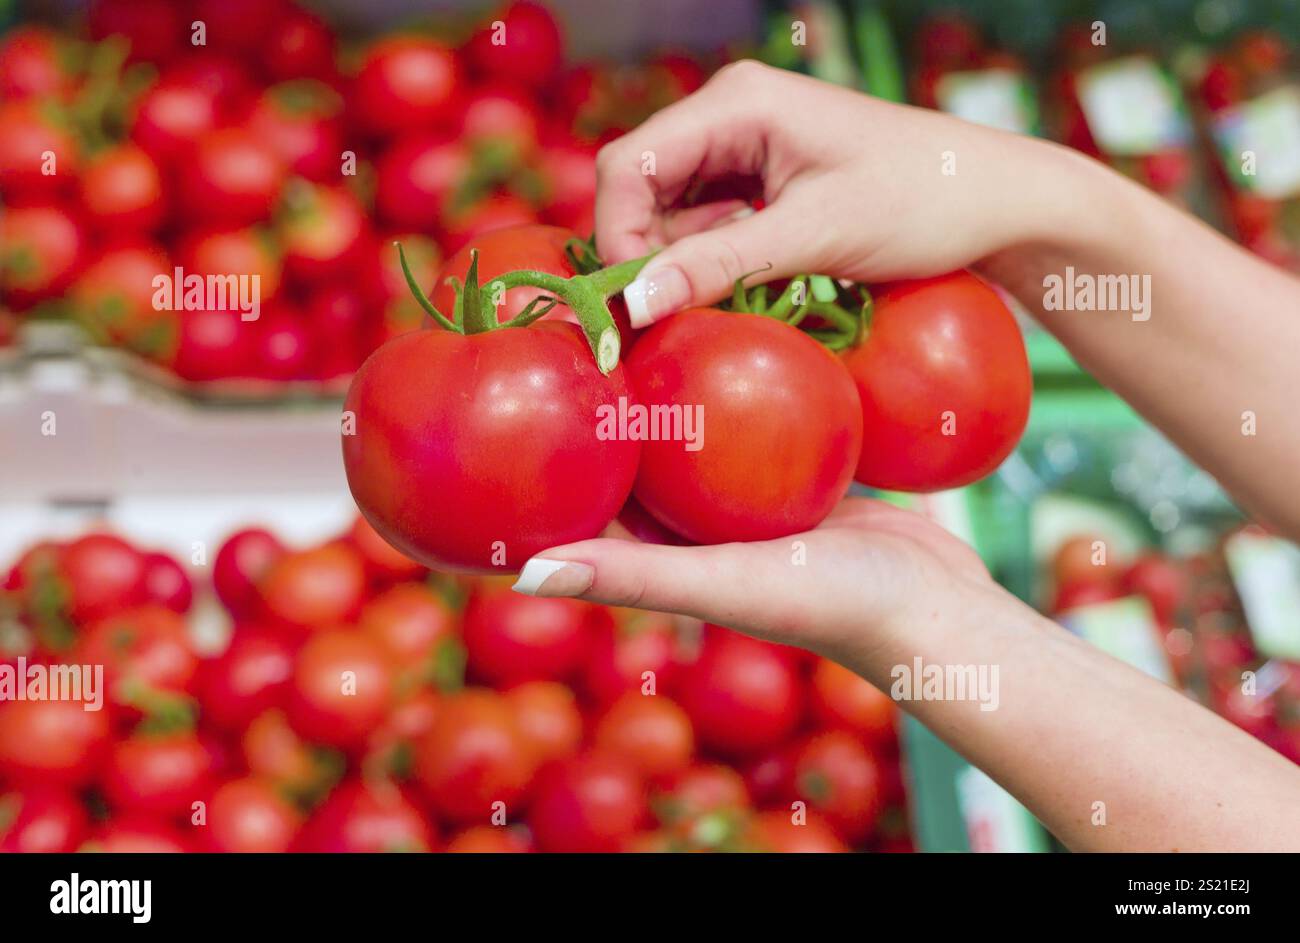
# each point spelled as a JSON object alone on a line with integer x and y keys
{"x": 307, "y": 138}
{"x": 649, "y": 731}
{"x": 315, "y": 588}
{"x": 234, "y": 180}
{"x": 122, "y": 191}
{"x": 475, "y": 755}
{"x": 490, "y": 839}
{"x": 157, "y": 775}
{"x": 247, "y": 815}
{"x": 147, "y": 647}
{"x": 938, "y": 345}
{"x": 40, "y": 249}
{"x": 213, "y": 344}
{"x": 41, "y": 820}
{"x": 31, "y": 66}
{"x": 514, "y": 467}
{"x": 28, "y": 136}
{"x": 240, "y": 564}
{"x": 1161, "y": 580}
{"x": 619, "y": 653}
{"x": 366, "y": 819}
{"x": 411, "y": 621}
{"x": 319, "y": 708}
{"x": 51, "y": 743}
{"x": 103, "y": 574}
{"x": 743, "y": 696}
{"x": 549, "y": 719}
{"x": 592, "y": 803}
{"x": 299, "y": 45}
{"x": 127, "y": 834}
{"x": 404, "y": 82}
{"x": 416, "y": 179}
{"x": 510, "y": 638}
{"x": 841, "y": 782}
{"x": 840, "y": 700}
{"x": 1073, "y": 595}
{"x": 774, "y": 831}
{"x": 728, "y": 489}
{"x": 166, "y": 583}
{"x": 326, "y": 236}
{"x": 532, "y": 51}
{"x": 251, "y": 676}
{"x": 385, "y": 563}
{"x": 170, "y": 118}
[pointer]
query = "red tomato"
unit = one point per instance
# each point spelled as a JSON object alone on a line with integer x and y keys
{"x": 476, "y": 452}
{"x": 341, "y": 313}
{"x": 743, "y": 696}
{"x": 240, "y": 565}
{"x": 113, "y": 299}
{"x": 701, "y": 790}
{"x": 219, "y": 75}
{"x": 776, "y": 831}
{"x": 1162, "y": 581}
{"x": 34, "y": 64}
{"x": 238, "y": 26}
{"x": 491, "y": 840}
{"x": 122, "y": 191}
{"x": 770, "y": 777}
{"x": 842, "y": 700}
{"x": 651, "y": 732}
{"x": 40, "y": 247}
{"x": 743, "y": 374}
{"x": 235, "y": 178}
{"x": 159, "y": 775}
{"x": 621, "y": 651}
{"x": 42, "y": 821}
{"x": 273, "y": 751}
{"x": 637, "y": 521}
{"x": 249, "y": 677}
{"x": 592, "y": 803}
{"x": 299, "y": 121}
{"x": 383, "y": 560}
{"x": 241, "y": 251}
{"x": 404, "y": 82}
{"x": 841, "y": 782}
{"x": 51, "y": 743}
{"x": 325, "y": 234}
{"x": 1083, "y": 559}
{"x": 537, "y": 248}
{"x": 522, "y": 44}
{"x": 391, "y": 748}
{"x": 410, "y": 620}
{"x": 145, "y": 651}
{"x": 212, "y": 344}
{"x": 1073, "y": 595}
{"x": 944, "y": 382}
{"x": 366, "y": 818}
{"x": 166, "y": 583}
{"x": 418, "y": 178}
{"x": 511, "y": 638}
{"x": 153, "y": 28}
{"x": 315, "y": 588}
{"x": 474, "y": 756}
{"x": 342, "y": 688}
{"x": 569, "y": 177}
{"x": 30, "y": 138}
{"x": 549, "y": 719}
{"x": 298, "y": 45}
{"x": 138, "y": 835}
{"x": 102, "y": 574}
{"x": 502, "y": 117}
{"x": 248, "y": 815}
{"x": 470, "y": 222}
{"x": 283, "y": 345}
{"x": 171, "y": 118}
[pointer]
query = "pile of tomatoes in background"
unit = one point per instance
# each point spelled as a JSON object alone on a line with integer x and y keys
{"x": 360, "y": 703}
{"x": 275, "y": 150}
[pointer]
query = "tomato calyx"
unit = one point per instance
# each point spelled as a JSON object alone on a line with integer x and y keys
{"x": 586, "y": 294}
{"x": 843, "y": 313}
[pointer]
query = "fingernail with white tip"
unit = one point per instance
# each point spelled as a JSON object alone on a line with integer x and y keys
{"x": 656, "y": 293}
{"x": 542, "y": 577}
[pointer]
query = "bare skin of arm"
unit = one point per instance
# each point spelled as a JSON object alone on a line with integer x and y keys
{"x": 853, "y": 187}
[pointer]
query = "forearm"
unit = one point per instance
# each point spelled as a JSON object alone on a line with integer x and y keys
{"x": 1106, "y": 757}
{"x": 1213, "y": 366}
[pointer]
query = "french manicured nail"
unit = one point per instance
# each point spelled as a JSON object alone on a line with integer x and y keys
{"x": 657, "y": 292}
{"x": 542, "y": 577}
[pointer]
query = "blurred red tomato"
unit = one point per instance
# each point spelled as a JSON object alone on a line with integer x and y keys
{"x": 234, "y": 179}
{"x": 40, "y": 247}
{"x": 34, "y": 63}
{"x": 511, "y": 638}
{"x": 549, "y": 719}
{"x": 776, "y": 831}
{"x": 38, "y": 156}
{"x": 1161, "y": 580}
{"x": 841, "y": 783}
{"x": 248, "y": 678}
{"x": 135, "y": 834}
{"x": 300, "y": 122}
{"x": 1083, "y": 559}
{"x": 627, "y": 652}
{"x": 383, "y": 560}
{"x": 522, "y": 44}
{"x": 51, "y": 743}
{"x": 475, "y": 756}
{"x": 1073, "y": 595}
{"x": 342, "y": 688}
{"x": 418, "y": 178}
{"x": 491, "y": 840}
{"x": 366, "y": 818}
{"x": 651, "y": 732}
{"x": 113, "y": 298}
{"x": 101, "y": 574}
{"x": 147, "y": 656}
{"x": 699, "y": 791}
{"x": 238, "y": 26}
{"x": 152, "y": 28}
{"x": 842, "y": 700}
{"x": 299, "y": 45}
{"x": 249, "y": 816}
{"x": 411, "y": 621}
{"x": 743, "y": 696}
{"x": 170, "y": 118}
{"x": 592, "y": 803}
{"x": 122, "y": 191}
{"x": 246, "y": 250}
{"x": 41, "y": 820}
{"x": 325, "y": 233}
{"x": 404, "y": 82}
{"x": 213, "y": 344}
{"x": 157, "y": 774}
{"x": 240, "y": 565}
{"x": 315, "y": 588}
{"x": 166, "y": 583}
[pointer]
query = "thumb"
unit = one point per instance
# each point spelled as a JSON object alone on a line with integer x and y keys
{"x": 723, "y": 583}
{"x": 703, "y": 267}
